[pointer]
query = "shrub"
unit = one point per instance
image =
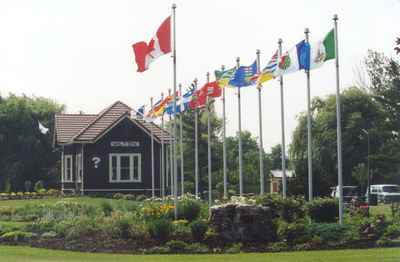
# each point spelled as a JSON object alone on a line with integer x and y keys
{"x": 328, "y": 232}
{"x": 106, "y": 207}
{"x": 197, "y": 248}
{"x": 49, "y": 235}
{"x": 160, "y": 229}
{"x": 323, "y": 210}
{"x": 176, "y": 246}
{"x": 198, "y": 229}
{"x": 392, "y": 231}
{"x": 39, "y": 186}
{"x": 234, "y": 248}
{"x": 16, "y": 236}
{"x": 291, "y": 232}
{"x": 189, "y": 209}
{"x": 181, "y": 230}
{"x": 129, "y": 197}
{"x": 289, "y": 209}
{"x": 395, "y": 208}
{"x": 81, "y": 227}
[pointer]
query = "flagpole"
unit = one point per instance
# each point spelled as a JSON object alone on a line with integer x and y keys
{"x": 174, "y": 124}
{"x": 171, "y": 154}
{"x": 240, "y": 138}
{"x": 284, "y": 182}
{"x": 261, "y": 149}
{"x": 339, "y": 124}
{"x": 162, "y": 156}
{"x": 152, "y": 155}
{"x": 181, "y": 141}
{"x": 309, "y": 138}
{"x": 209, "y": 146}
{"x": 224, "y": 142}
{"x": 196, "y": 146}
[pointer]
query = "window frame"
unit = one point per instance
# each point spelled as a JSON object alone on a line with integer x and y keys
{"x": 70, "y": 169}
{"x": 131, "y": 156}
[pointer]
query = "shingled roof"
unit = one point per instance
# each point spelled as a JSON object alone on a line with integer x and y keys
{"x": 80, "y": 128}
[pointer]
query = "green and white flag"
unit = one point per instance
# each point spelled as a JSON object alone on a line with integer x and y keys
{"x": 322, "y": 50}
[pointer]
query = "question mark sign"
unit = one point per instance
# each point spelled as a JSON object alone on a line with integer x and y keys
{"x": 96, "y": 160}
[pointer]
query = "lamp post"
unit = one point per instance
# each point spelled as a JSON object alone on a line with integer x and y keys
{"x": 368, "y": 166}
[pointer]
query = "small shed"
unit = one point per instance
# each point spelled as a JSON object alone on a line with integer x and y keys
{"x": 109, "y": 151}
{"x": 276, "y": 179}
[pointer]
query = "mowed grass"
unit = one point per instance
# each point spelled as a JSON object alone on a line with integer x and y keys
{"x": 96, "y": 201}
{"x": 25, "y": 254}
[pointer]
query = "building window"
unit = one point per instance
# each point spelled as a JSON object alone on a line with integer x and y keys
{"x": 68, "y": 169}
{"x": 125, "y": 168}
{"x": 79, "y": 168}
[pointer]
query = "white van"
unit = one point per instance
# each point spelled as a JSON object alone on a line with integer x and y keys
{"x": 386, "y": 193}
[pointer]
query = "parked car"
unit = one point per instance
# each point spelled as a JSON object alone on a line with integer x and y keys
{"x": 385, "y": 193}
{"x": 349, "y": 193}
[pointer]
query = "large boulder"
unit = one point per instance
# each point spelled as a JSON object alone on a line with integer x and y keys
{"x": 243, "y": 223}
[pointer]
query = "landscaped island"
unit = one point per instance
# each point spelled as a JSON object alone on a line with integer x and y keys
{"x": 261, "y": 224}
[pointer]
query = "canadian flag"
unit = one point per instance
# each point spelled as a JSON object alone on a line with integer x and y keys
{"x": 159, "y": 45}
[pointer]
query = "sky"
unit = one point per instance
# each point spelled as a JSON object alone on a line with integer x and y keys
{"x": 78, "y": 52}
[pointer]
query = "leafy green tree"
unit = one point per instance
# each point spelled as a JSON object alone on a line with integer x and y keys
{"x": 26, "y": 153}
{"x": 359, "y": 111}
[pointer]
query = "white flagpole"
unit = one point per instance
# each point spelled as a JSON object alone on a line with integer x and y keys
{"x": 240, "y": 138}
{"x": 224, "y": 142}
{"x": 196, "y": 146}
{"x": 209, "y": 146}
{"x": 171, "y": 155}
{"x": 181, "y": 142}
{"x": 162, "y": 156}
{"x": 174, "y": 124}
{"x": 339, "y": 124}
{"x": 152, "y": 156}
{"x": 261, "y": 151}
{"x": 309, "y": 138}
{"x": 284, "y": 182}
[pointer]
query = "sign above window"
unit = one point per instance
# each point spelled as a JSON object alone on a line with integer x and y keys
{"x": 125, "y": 143}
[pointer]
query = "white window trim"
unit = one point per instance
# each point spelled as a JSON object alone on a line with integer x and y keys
{"x": 78, "y": 158}
{"x": 66, "y": 157}
{"x": 131, "y": 161}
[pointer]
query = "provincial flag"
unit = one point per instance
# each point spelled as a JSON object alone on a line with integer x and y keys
{"x": 269, "y": 70}
{"x": 244, "y": 76}
{"x": 44, "y": 130}
{"x": 140, "y": 111}
{"x": 323, "y": 50}
{"x": 159, "y": 45}
{"x": 223, "y": 77}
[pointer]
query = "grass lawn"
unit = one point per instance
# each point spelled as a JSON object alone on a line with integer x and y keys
{"x": 25, "y": 254}
{"x": 88, "y": 200}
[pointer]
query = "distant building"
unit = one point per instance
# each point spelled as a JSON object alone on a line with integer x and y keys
{"x": 109, "y": 151}
{"x": 276, "y": 180}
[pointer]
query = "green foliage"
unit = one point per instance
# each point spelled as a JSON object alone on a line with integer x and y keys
{"x": 189, "y": 208}
{"x": 106, "y": 207}
{"x": 25, "y": 153}
{"x": 392, "y": 231}
{"x": 38, "y": 187}
{"x": 160, "y": 229}
{"x": 289, "y": 209}
{"x": 291, "y": 232}
{"x": 16, "y": 236}
{"x": 323, "y": 210}
{"x": 198, "y": 229}
{"x": 328, "y": 232}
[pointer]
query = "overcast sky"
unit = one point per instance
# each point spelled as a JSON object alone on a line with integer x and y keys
{"x": 78, "y": 52}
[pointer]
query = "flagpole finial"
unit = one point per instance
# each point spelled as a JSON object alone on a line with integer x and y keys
{"x": 195, "y": 80}
{"x": 306, "y": 30}
{"x": 258, "y": 51}
{"x": 237, "y": 59}
{"x": 180, "y": 85}
{"x": 335, "y": 17}
{"x": 173, "y": 6}
{"x": 280, "y": 41}
{"x": 222, "y": 67}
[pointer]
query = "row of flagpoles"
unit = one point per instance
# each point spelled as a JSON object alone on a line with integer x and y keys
{"x": 304, "y": 55}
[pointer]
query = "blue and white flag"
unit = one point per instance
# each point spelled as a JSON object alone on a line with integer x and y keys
{"x": 244, "y": 76}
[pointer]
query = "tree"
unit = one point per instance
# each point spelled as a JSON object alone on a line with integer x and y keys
{"x": 359, "y": 111}
{"x": 26, "y": 153}
{"x": 397, "y": 48}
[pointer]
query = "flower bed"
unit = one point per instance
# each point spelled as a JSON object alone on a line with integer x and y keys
{"x": 30, "y": 195}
